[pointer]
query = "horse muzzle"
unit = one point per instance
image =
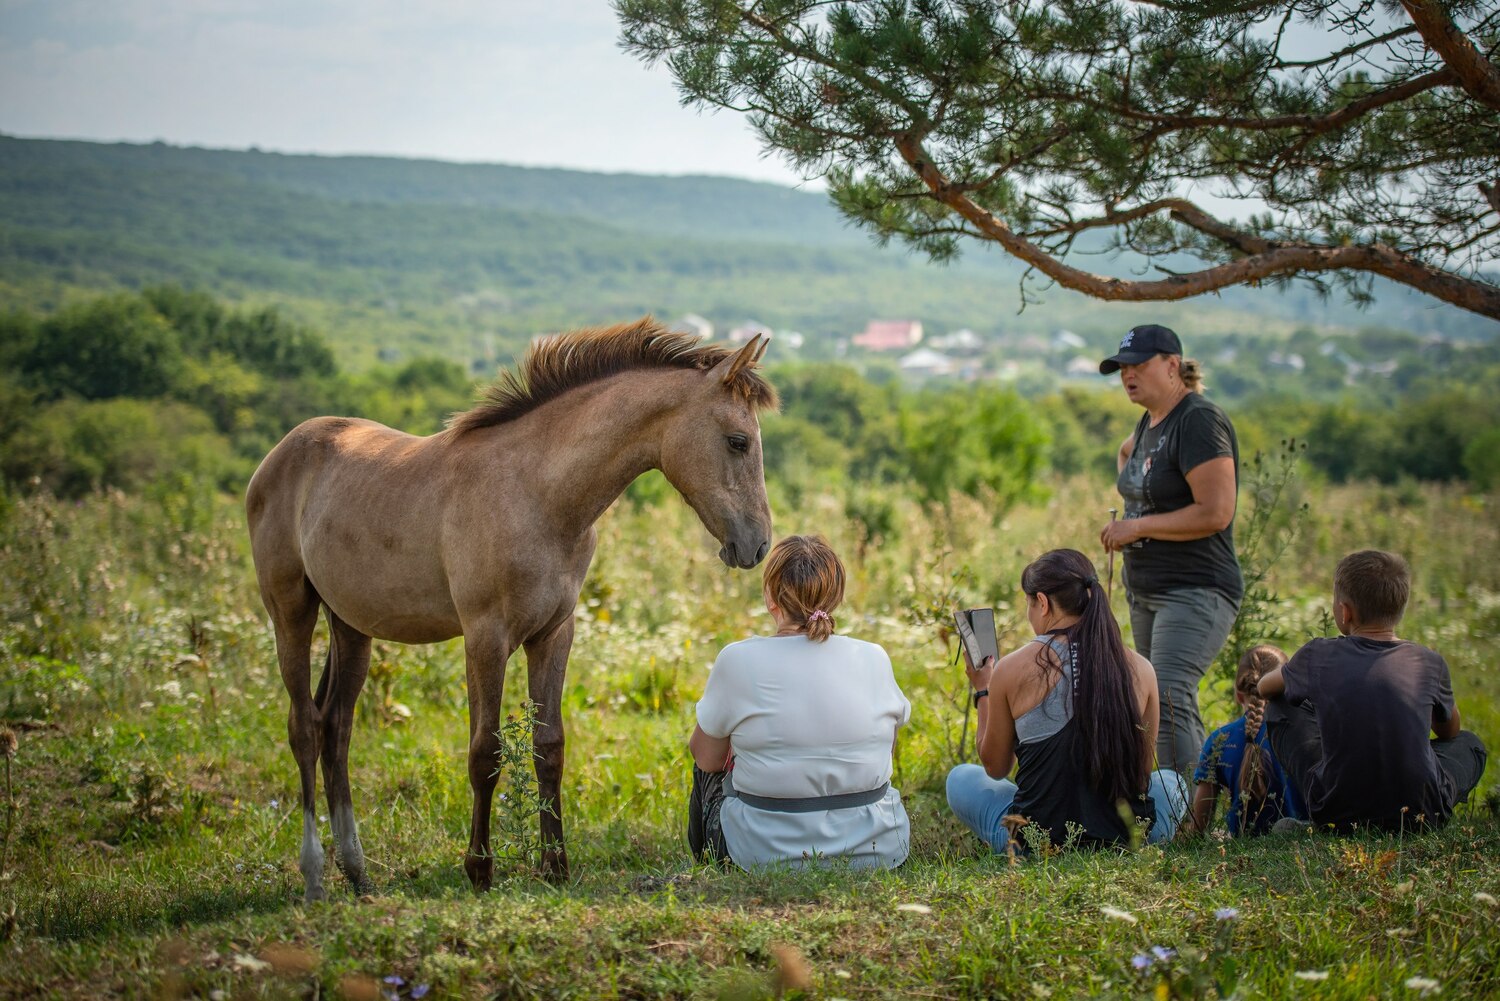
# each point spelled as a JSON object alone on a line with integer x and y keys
{"x": 743, "y": 556}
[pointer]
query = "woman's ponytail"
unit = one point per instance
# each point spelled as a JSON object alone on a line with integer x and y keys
{"x": 1104, "y": 699}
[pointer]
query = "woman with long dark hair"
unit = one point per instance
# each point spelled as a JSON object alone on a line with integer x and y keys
{"x": 1078, "y": 713}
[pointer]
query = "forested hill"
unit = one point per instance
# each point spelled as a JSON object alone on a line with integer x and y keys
{"x": 715, "y": 208}
{"x": 416, "y": 257}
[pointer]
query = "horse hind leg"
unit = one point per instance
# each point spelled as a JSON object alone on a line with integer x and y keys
{"x": 343, "y": 679}
{"x": 294, "y": 614}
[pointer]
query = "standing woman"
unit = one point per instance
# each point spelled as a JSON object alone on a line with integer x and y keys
{"x": 792, "y": 751}
{"x": 1179, "y": 477}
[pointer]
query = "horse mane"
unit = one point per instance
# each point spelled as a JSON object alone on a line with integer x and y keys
{"x": 557, "y": 363}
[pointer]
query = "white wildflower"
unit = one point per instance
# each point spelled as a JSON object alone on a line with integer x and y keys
{"x": 1423, "y": 985}
{"x": 172, "y": 689}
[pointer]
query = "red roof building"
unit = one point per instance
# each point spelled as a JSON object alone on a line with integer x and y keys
{"x": 889, "y": 335}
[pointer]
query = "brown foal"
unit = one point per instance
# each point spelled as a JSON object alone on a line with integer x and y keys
{"x": 486, "y": 530}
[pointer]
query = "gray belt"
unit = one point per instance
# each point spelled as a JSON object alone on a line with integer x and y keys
{"x": 809, "y": 804}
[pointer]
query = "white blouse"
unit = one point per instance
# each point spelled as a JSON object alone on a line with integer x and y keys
{"x": 805, "y": 720}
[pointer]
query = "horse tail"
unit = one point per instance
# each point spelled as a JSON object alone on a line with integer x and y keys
{"x": 328, "y": 682}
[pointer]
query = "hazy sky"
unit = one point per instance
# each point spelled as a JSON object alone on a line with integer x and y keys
{"x": 534, "y": 82}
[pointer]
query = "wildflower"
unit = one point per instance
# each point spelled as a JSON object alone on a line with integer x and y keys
{"x": 1162, "y": 953}
{"x": 1118, "y": 915}
{"x": 275, "y": 804}
{"x": 1141, "y": 961}
{"x": 420, "y": 991}
{"x": 1227, "y": 914}
{"x": 914, "y": 908}
{"x": 394, "y": 980}
{"x": 8, "y": 742}
{"x": 1311, "y": 974}
{"x": 1423, "y": 985}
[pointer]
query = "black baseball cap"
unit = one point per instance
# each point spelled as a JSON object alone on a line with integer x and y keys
{"x": 1142, "y": 344}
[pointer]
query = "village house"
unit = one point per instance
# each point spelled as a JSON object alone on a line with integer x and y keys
{"x": 889, "y": 335}
{"x": 694, "y": 324}
{"x": 747, "y": 331}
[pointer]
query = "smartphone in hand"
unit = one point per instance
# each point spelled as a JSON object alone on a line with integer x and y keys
{"x": 976, "y": 631}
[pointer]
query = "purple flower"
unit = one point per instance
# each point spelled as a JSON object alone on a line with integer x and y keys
{"x": 1227, "y": 914}
{"x": 420, "y": 991}
{"x": 394, "y": 980}
{"x": 1163, "y": 953}
{"x": 1141, "y": 961}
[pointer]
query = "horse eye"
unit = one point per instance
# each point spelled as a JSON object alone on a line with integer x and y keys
{"x": 739, "y": 442}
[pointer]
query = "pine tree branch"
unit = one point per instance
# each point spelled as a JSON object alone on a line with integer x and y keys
{"x": 1313, "y": 125}
{"x": 1334, "y": 58}
{"x": 1264, "y": 259}
{"x": 1479, "y": 77}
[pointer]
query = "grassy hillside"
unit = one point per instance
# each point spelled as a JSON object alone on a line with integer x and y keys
{"x": 154, "y": 848}
{"x": 470, "y": 260}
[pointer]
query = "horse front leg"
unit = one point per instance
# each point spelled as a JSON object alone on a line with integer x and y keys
{"x": 486, "y": 651}
{"x": 546, "y": 668}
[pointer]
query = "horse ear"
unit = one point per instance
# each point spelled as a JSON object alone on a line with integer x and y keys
{"x": 762, "y": 352}
{"x": 744, "y": 356}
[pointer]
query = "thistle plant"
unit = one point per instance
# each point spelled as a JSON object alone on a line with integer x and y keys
{"x": 519, "y": 805}
{"x": 1274, "y": 522}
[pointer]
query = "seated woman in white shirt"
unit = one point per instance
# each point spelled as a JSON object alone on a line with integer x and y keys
{"x": 792, "y": 751}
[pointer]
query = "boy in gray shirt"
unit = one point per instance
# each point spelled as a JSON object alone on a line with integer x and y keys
{"x": 1351, "y": 718}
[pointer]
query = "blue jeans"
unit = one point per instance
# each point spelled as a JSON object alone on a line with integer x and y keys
{"x": 980, "y": 802}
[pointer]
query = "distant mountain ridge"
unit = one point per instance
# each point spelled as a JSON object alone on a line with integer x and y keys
{"x": 471, "y": 259}
{"x": 690, "y": 205}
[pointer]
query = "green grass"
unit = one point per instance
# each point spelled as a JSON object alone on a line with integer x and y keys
{"x": 155, "y": 844}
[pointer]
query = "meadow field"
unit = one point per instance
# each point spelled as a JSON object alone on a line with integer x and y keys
{"x": 151, "y": 837}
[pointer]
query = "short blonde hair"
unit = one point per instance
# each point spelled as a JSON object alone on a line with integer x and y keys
{"x": 804, "y": 576}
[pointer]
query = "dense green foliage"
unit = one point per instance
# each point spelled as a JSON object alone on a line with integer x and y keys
{"x": 125, "y": 390}
{"x": 1359, "y": 136}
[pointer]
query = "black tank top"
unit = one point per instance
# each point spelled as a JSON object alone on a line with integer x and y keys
{"x": 1052, "y": 777}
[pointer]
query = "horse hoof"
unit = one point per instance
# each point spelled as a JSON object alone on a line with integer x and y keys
{"x": 555, "y": 867}
{"x": 313, "y": 895}
{"x": 481, "y": 872}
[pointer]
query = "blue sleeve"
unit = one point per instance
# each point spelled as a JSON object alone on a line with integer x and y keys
{"x": 1211, "y": 766}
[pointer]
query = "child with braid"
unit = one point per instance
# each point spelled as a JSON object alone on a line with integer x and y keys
{"x": 1237, "y": 759}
